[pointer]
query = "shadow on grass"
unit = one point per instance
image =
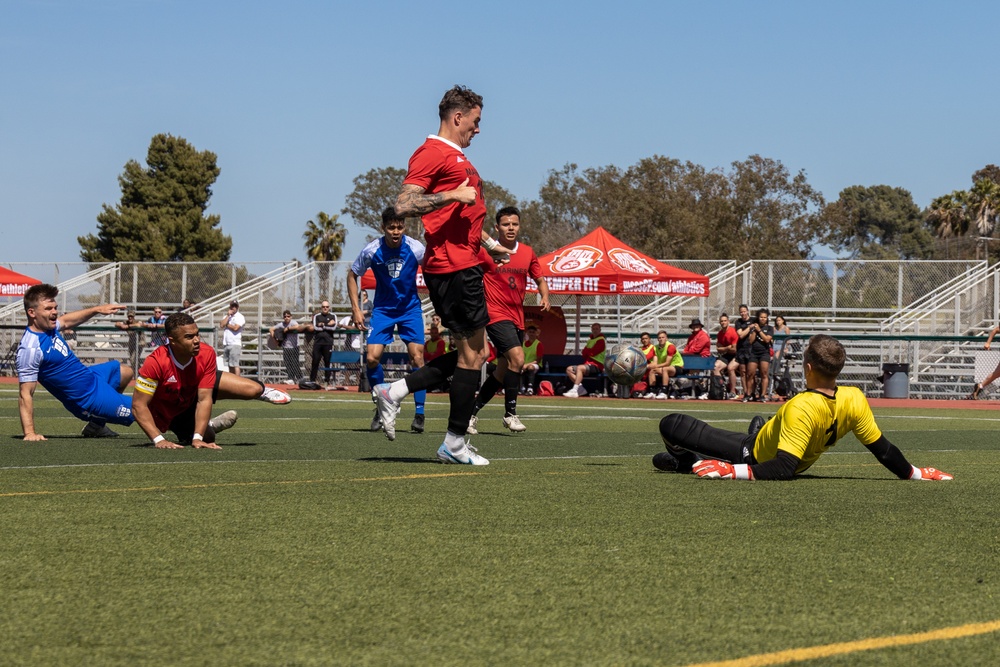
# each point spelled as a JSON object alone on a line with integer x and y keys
{"x": 224, "y": 445}
{"x": 398, "y": 459}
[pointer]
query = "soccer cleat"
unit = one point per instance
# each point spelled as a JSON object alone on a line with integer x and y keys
{"x": 649, "y": 394}
{"x": 92, "y": 430}
{"x": 274, "y": 396}
{"x": 387, "y": 409}
{"x": 466, "y": 456}
{"x": 376, "y": 424}
{"x": 662, "y": 396}
{"x": 976, "y": 390}
{"x": 224, "y": 421}
{"x": 666, "y": 462}
{"x": 755, "y": 425}
{"x": 513, "y": 423}
{"x": 473, "y": 422}
{"x": 417, "y": 425}
{"x": 529, "y": 391}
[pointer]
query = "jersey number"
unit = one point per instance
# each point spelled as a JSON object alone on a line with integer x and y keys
{"x": 833, "y": 435}
{"x": 510, "y": 281}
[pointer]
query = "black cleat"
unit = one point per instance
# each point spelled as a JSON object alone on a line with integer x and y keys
{"x": 665, "y": 461}
{"x": 755, "y": 425}
{"x": 418, "y": 424}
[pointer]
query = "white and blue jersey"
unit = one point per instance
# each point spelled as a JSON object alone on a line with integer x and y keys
{"x": 87, "y": 392}
{"x": 396, "y": 302}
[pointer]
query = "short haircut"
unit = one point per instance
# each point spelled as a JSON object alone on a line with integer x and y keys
{"x": 531, "y": 327}
{"x": 723, "y": 315}
{"x": 175, "y": 322}
{"x": 459, "y": 98}
{"x": 825, "y": 354}
{"x": 38, "y": 293}
{"x": 645, "y": 333}
{"x": 390, "y": 215}
{"x": 743, "y": 305}
{"x": 661, "y": 332}
{"x": 762, "y": 311}
{"x": 507, "y": 210}
{"x": 287, "y": 312}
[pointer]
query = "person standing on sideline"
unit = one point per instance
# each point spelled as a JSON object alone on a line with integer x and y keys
{"x": 232, "y": 337}
{"x": 90, "y": 393}
{"x": 134, "y": 332}
{"x": 742, "y": 326}
{"x": 534, "y": 354}
{"x": 593, "y": 362}
{"x": 179, "y": 382}
{"x": 725, "y": 348}
{"x": 788, "y": 444}
{"x": 443, "y": 187}
{"x": 506, "y": 285}
{"x": 286, "y": 334}
{"x": 393, "y": 259}
{"x": 324, "y": 323}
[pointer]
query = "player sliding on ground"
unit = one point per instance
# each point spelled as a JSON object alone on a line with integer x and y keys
{"x": 179, "y": 382}
{"x": 790, "y": 442}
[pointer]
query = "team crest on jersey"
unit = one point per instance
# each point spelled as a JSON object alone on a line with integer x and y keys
{"x": 576, "y": 259}
{"x": 627, "y": 260}
{"x": 60, "y": 347}
{"x": 394, "y": 267}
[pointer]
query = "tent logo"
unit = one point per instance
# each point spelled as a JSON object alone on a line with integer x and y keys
{"x": 576, "y": 259}
{"x": 628, "y": 260}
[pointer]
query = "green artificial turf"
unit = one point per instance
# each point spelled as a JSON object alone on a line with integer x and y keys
{"x": 309, "y": 541}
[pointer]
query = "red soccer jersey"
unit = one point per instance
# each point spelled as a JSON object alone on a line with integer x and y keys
{"x": 726, "y": 338}
{"x": 174, "y": 388}
{"x": 506, "y": 283}
{"x": 452, "y": 232}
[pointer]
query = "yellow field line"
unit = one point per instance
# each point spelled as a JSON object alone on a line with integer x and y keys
{"x": 814, "y": 652}
{"x": 235, "y": 484}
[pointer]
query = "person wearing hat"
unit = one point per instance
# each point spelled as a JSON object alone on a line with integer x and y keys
{"x": 699, "y": 343}
{"x": 232, "y": 337}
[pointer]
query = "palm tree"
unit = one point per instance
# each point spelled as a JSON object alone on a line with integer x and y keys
{"x": 324, "y": 242}
{"x": 947, "y": 214}
{"x": 983, "y": 204}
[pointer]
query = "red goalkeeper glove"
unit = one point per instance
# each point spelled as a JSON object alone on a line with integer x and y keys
{"x": 930, "y": 473}
{"x": 712, "y": 469}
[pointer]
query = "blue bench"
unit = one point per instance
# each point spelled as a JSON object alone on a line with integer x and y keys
{"x": 554, "y": 370}
{"x": 695, "y": 368}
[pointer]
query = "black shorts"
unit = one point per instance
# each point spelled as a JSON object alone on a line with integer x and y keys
{"x": 743, "y": 357}
{"x": 757, "y": 357}
{"x": 727, "y": 358}
{"x": 505, "y": 335}
{"x": 183, "y": 424}
{"x": 459, "y": 299}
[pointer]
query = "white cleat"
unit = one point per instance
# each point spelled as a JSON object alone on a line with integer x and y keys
{"x": 376, "y": 424}
{"x": 513, "y": 423}
{"x": 473, "y": 421}
{"x": 387, "y": 409}
{"x": 224, "y": 421}
{"x": 466, "y": 456}
{"x": 571, "y": 394}
{"x": 274, "y": 396}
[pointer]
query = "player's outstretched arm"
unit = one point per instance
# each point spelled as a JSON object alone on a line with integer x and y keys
{"x": 202, "y": 414}
{"x": 141, "y": 398}
{"x": 26, "y": 408}
{"x": 890, "y": 456}
{"x": 413, "y": 200}
{"x": 781, "y": 467}
{"x": 77, "y": 317}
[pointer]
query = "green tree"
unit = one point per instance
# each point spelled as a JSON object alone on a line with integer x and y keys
{"x": 161, "y": 215}
{"x": 877, "y": 222}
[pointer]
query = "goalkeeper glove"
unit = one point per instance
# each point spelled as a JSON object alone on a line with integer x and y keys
{"x": 930, "y": 473}
{"x": 713, "y": 469}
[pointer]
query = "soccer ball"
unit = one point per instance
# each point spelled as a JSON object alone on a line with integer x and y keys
{"x": 626, "y": 367}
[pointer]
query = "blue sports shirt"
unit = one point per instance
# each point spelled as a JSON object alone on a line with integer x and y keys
{"x": 395, "y": 272}
{"x": 46, "y": 358}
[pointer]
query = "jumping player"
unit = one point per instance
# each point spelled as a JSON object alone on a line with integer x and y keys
{"x": 506, "y": 285}
{"x": 179, "y": 382}
{"x": 443, "y": 187}
{"x": 804, "y": 429}
{"x": 393, "y": 259}
{"x": 91, "y": 393}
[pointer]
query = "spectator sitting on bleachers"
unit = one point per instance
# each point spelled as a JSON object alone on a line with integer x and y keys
{"x": 665, "y": 366}
{"x": 593, "y": 362}
{"x": 699, "y": 344}
{"x": 434, "y": 346}
{"x": 533, "y": 353}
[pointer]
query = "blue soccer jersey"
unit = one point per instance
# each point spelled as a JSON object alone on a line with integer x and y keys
{"x": 395, "y": 272}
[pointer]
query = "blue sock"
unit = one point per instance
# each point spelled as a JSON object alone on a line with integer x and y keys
{"x": 375, "y": 375}
{"x": 418, "y": 398}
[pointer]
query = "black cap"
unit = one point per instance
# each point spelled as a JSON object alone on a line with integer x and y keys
{"x": 695, "y": 323}
{"x": 234, "y": 304}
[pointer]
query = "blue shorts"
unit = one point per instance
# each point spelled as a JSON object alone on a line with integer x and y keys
{"x": 410, "y": 323}
{"x": 107, "y": 404}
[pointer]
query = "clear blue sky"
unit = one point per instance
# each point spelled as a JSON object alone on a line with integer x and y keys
{"x": 298, "y": 98}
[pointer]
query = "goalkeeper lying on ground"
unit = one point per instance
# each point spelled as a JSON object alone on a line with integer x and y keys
{"x": 786, "y": 445}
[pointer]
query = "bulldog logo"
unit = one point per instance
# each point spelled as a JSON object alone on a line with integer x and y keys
{"x": 627, "y": 260}
{"x": 576, "y": 259}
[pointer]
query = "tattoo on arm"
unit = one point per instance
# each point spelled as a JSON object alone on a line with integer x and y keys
{"x": 413, "y": 201}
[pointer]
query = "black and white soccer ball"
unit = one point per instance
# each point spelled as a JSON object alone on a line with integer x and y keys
{"x": 626, "y": 367}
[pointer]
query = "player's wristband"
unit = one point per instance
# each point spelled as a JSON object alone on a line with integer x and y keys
{"x": 158, "y": 439}
{"x": 490, "y": 243}
{"x": 197, "y": 436}
{"x": 742, "y": 471}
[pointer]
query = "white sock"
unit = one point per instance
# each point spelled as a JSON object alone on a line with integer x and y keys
{"x": 454, "y": 443}
{"x": 398, "y": 390}
{"x": 577, "y": 387}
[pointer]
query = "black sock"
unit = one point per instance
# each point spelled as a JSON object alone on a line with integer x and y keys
{"x": 529, "y": 379}
{"x": 433, "y": 373}
{"x": 464, "y": 384}
{"x": 511, "y": 383}
{"x": 487, "y": 392}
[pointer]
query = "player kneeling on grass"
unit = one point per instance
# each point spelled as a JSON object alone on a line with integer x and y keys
{"x": 179, "y": 382}
{"x": 790, "y": 442}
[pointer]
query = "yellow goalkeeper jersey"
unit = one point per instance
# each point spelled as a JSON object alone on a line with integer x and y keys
{"x": 811, "y": 423}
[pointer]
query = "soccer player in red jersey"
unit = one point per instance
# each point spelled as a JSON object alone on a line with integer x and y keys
{"x": 443, "y": 187}
{"x": 179, "y": 382}
{"x": 505, "y": 286}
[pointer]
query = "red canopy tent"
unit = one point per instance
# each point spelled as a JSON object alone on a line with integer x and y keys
{"x": 13, "y": 283}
